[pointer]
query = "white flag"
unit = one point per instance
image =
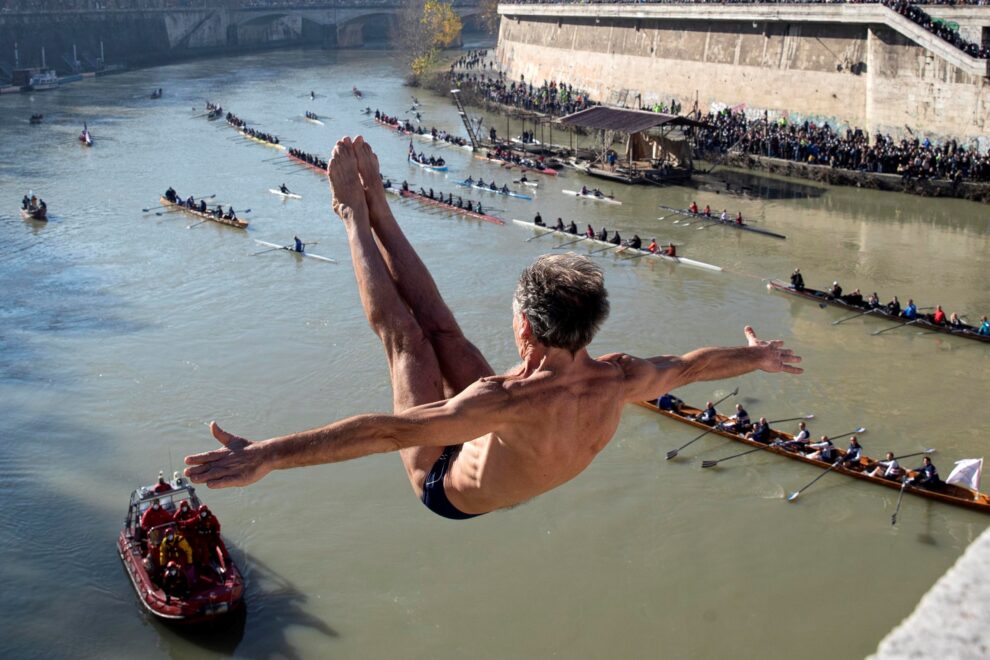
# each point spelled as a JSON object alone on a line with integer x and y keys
{"x": 967, "y": 473}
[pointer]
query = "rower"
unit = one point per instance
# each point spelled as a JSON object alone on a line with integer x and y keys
{"x": 190, "y": 202}
{"x": 470, "y": 182}
{"x": 616, "y": 239}
{"x": 653, "y": 248}
{"x": 505, "y": 189}
{"x": 670, "y": 402}
{"x": 854, "y": 298}
{"x": 724, "y": 217}
{"x": 218, "y": 211}
{"x": 824, "y": 450}
{"x": 584, "y": 190}
{"x": 635, "y": 242}
{"x": 894, "y": 307}
{"x": 405, "y": 186}
{"x": 431, "y": 193}
{"x": 911, "y": 311}
{"x": 926, "y": 476}
{"x": 835, "y": 292}
{"x": 299, "y": 245}
{"x": 873, "y": 301}
{"x": 285, "y": 190}
{"x": 589, "y": 232}
{"x": 853, "y": 453}
{"x": 670, "y": 250}
{"x": 738, "y": 423}
{"x": 797, "y": 280}
{"x": 888, "y": 468}
{"x": 479, "y": 210}
{"x": 202, "y": 206}
{"x": 470, "y": 206}
{"x": 800, "y": 439}
{"x": 708, "y": 211}
{"x": 984, "y": 327}
{"x": 538, "y": 220}
{"x": 938, "y": 318}
{"x": 739, "y": 218}
{"x": 492, "y": 186}
{"x": 27, "y": 201}
{"x": 450, "y": 199}
{"x": 312, "y": 95}
{"x": 603, "y": 234}
{"x": 560, "y": 225}
{"x": 693, "y": 208}
{"x": 760, "y": 432}
{"x": 572, "y": 228}
{"x": 708, "y": 416}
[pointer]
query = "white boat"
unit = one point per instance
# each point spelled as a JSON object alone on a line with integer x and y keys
{"x": 621, "y": 248}
{"x": 289, "y": 248}
{"x": 497, "y": 191}
{"x": 315, "y": 121}
{"x": 289, "y": 195}
{"x": 427, "y": 166}
{"x": 531, "y": 184}
{"x": 600, "y": 197}
{"x": 43, "y": 81}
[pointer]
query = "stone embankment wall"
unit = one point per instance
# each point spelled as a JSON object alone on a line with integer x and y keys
{"x": 837, "y": 63}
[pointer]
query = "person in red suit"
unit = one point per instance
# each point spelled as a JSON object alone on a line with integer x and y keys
{"x": 154, "y": 516}
{"x": 205, "y": 533}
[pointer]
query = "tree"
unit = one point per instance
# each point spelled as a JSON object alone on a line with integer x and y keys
{"x": 489, "y": 16}
{"x": 424, "y": 28}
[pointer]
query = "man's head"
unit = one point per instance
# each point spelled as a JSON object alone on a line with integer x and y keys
{"x": 563, "y": 299}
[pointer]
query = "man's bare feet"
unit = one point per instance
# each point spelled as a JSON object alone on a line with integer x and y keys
{"x": 345, "y": 182}
{"x": 371, "y": 177}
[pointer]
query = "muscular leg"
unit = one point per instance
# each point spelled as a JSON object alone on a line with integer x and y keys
{"x": 461, "y": 363}
{"x": 412, "y": 362}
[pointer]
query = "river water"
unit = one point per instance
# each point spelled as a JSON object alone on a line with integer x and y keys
{"x": 124, "y": 333}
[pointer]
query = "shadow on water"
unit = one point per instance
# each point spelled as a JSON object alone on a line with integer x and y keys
{"x": 753, "y": 186}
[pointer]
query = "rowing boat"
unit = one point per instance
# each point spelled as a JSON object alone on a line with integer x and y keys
{"x": 37, "y": 213}
{"x": 822, "y": 297}
{"x": 313, "y": 120}
{"x": 427, "y": 166}
{"x": 260, "y": 141}
{"x": 240, "y": 224}
{"x": 531, "y": 184}
{"x": 318, "y": 170}
{"x": 639, "y": 252}
{"x": 947, "y": 493}
{"x": 424, "y": 136}
{"x": 289, "y": 248}
{"x": 600, "y": 197}
{"x": 284, "y": 195}
{"x": 717, "y": 220}
{"x": 497, "y": 191}
{"x": 535, "y": 167}
{"x": 445, "y": 206}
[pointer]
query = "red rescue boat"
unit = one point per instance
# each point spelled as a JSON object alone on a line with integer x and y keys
{"x": 211, "y": 585}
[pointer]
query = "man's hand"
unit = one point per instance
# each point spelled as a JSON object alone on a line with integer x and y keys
{"x": 775, "y": 357}
{"x": 240, "y": 462}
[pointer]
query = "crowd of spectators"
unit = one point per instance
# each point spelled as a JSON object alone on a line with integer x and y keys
{"x": 852, "y": 150}
{"x": 938, "y": 28}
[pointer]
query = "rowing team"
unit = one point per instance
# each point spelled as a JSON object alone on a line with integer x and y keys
{"x": 235, "y": 121}
{"x": 480, "y": 183}
{"x": 508, "y": 156}
{"x": 471, "y": 207}
{"x": 33, "y": 203}
{"x": 213, "y": 106}
{"x": 316, "y": 161}
{"x": 259, "y": 135}
{"x": 594, "y": 192}
{"x": 406, "y": 126}
{"x": 311, "y": 115}
{"x": 191, "y": 204}
{"x": 723, "y": 217}
{"x": 893, "y": 308}
{"x": 635, "y": 243}
{"x": 422, "y": 159}
{"x": 824, "y": 450}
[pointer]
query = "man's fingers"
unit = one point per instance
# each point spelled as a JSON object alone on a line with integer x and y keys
{"x": 792, "y": 370}
{"x": 222, "y": 436}
{"x": 206, "y": 457}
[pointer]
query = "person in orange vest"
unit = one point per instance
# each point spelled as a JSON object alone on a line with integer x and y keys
{"x": 938, "y": 318}
{"x": 653, "y": 248}
{"x": 670, "y": 250}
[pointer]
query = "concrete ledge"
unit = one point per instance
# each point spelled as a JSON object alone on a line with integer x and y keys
{"x": 953, "y": 618}
{"x": 854, "y": 14}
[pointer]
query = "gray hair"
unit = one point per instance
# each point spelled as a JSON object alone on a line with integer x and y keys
{"x": 564, "y": 299}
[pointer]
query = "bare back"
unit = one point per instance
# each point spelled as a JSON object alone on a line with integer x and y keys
{"x": 554, "y": 424}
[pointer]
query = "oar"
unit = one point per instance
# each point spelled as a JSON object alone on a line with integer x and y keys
{"x": 897, "y": 509}
{"x": 673, "y": 452}
{"x": 196, "y": 224}
{"x": 930, "y": 450}
{"x": 793, "y": 496}
{"x": 854, "y": 316}
{"x": 790, "y": 419}
{"x": 713, "y": 463}
{"x": 547, "y": 233}
{"x": 152, "y": 209}
{"x": 281, "y": 247}
{"x": 557, "y": 247}
{"x": 610, "y": 247}
{"x": 900, "y": 325}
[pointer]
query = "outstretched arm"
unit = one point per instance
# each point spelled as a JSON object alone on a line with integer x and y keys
{"x": 471, "y": 414}
{"x": 654, "y": 376}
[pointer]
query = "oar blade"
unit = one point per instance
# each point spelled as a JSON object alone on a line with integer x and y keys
{"x": 672, "y": 454}
{"x": 709, "y": 464}
{"x": 793, "y": 496}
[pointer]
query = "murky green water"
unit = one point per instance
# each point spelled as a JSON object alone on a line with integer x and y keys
{"x": 123, "y": 333}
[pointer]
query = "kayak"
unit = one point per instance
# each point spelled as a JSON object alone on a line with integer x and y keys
{"x": 289, "y": 248}
{"x": 290, "y": 195}
{"x": 592, "y": 196}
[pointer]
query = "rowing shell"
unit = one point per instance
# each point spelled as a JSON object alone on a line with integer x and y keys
{"x": 290, "y": 195}
{"x": 549, "y": 171}
{"x": 947, "y": 493}
{"x": 592, "y": 196}
{"x": 443, "y": 205}
{"x": 717, "y": 220}
{"x": 622, "y": 248}
{"x": 497, "y": 191}
{"x": 289, "y": 248}
{"x": 315, "y": 121}
{"x": 260, "y": 141}
{"x": 427, "y": 166}
{"x": 240, "y": 224}
{"x": 821, "y": 297}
